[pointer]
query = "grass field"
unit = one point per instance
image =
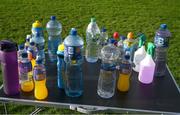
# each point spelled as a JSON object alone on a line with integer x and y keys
{"x": 16, "y": 17}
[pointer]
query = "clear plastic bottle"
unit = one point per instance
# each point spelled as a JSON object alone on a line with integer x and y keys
{"x": 116, "y": 38}
{"x": 92, "y": 36}
{"x": 107, "y": 77}
{"x": 123, "y": 83}
{"x": 39, "y": 75}
{"x": 26, "y": 44}
{"x": 102, "y": 40}
{"x": 21, "y": 50}
{"x": 25, "y": 73}
{"x": 37, "y": 28}
{"x": 120, "y": 46}
{"x": 32, "y": 51}
{"x": 73, "y": 58}
{"x": 39, "y": 43}
{"x": 147, "y": 66}
{"x": 161, "y": 42}
{"x": 60, "y": 66}
{"x": 54, "y": 29}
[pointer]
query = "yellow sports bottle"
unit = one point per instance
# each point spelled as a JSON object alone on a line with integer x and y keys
{"x": 39, "y": 74}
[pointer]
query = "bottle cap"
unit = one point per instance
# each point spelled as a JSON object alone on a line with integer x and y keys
{"x": 112, "y": 40}
{"x": 150, "y": 49}
{"x": 127, "y": 55}
{"x": 21, "y": 46}
{"x": 103, "y": 30}
{"x": 73, "y": 32}
{"x": 122, "y": 38}
{"x": 116, "y": 35}
{"x": 36, "y": 24}
{"x": 24, "y": 55}
{"x": 142, "y": 39}
{"x": 28, "y": 37}
{"x": 163, "y": 26}
{"x": 53, "y": 17}
{"x": 8, "y": 46}
{"x": 32, "y": 43}
{"x": 93, "y": 19}
{"x": 61, "y": 47}
{"x": 130, "y": 35}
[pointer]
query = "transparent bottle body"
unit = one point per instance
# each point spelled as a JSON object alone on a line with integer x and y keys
{"x": 60, "y": 71}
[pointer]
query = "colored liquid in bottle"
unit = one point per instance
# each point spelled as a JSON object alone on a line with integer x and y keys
{"x": 28, "y": 85}
{"x": 33, "y": 62}
{"x": 40, "y": 90}
{"x": 123, "y": 82}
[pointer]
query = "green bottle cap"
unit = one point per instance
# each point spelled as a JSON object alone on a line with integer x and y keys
{"x": 142, "y": 39}
{"x": 150, "y": 49}
{"x": 93, "y": 19}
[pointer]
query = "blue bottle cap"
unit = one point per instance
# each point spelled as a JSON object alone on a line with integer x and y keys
{"x": 112, "y": 40}
{"x": 123, "y": 38}
{"x": 32, "y": 43}
{"x": 163, "y": 26}
{"x": 24, "y": 55}
{"x": 53, "y": 17}
{"x": 73, "y": 31}
{"x": 21, "y": 46}
{"x": 103, "y": 30}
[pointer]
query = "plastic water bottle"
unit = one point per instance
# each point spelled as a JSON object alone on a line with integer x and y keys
{"x": 26, "y": 44}
{"x": 116, "y": 38}
{"x": 25, "y": 73}
{"x": 54, "y": 29}
{"x": 73, "y": 59}
{"x": 140, "y": 53}
{"x": 60, "y": 66}
{"x": 37, "y": 28}
{"x": 92, "y": 36}
{"x": 21, "y": 50}
{"x": 39, "y": 43}
{"x": 102, "y": 40}
{"x": 161, "y": 42}
{"x": 32, "y": 52}
{"x": 120, "y": 46}
{"x": 39, "y": 75}
{"x": 107, "y": 77}
{"x": 9, "y": 66}
{"x": 147, "y": 66}
{"x": 124, "y": 74}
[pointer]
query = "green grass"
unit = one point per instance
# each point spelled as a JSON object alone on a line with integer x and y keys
{"x": 16, "y": 17}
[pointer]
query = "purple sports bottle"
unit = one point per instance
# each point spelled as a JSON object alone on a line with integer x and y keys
{"x": 9, "y": 65}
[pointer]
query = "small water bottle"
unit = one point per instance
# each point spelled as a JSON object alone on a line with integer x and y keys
{"x": 125, "y": 70}
{"x": 60, "y": 66}
{"x": 37, "y": 28}
{"x": 32, "y": 52}
{"x": 161, "y": 42}
{"x": 26, "y": 44}
{"x": 25, "y": 73}
{"x": 9, "y": 66}
{"x": 92, "y": 36}
{"x": 39, "y": 43}
{"x": 73, "y": 58}
{"x": 147, "y": 66}
{"x": 21, "y": 49}
{"x": 107, "y": 77}
{"x": 120, "y": 46}
{"x": 116, "y": 38}
{"x": 54, "y": 29}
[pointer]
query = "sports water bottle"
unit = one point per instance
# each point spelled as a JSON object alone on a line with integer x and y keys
{"x": 124, "y": 73}
{"x": 54, "y": 29}
{"x": 73, "y": 57}
{"x": 26, "y": 44}
{"x": 38, "y": 39}
{"x": 161, "y": 42}
{"x": 39, "y": 75}
{"x": 140, "y": 53}
{"x": 102, "y": 40}
{"x": 25, "y": 73}
{"x": 107, "y": 77}
{"x": 147, "y": 66}
{"x": 60, "y": 66}
{"x": 32, "y": 51}
{"x": 92, "y": 36}
{"x": 37, "y": 28}
{"x": 116, "y": 38}
{"x": 9, "y": 66}
{"x": 21, "y": 49}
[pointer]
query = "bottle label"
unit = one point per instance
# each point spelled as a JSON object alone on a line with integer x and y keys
{"x": 108, "y": 67}
{"x": 125, "y": 68}
{"x": 74, "y": 52}
{"x": 161, "y": 42}
{"x": 39, "y": 74}
{"x": 25, "y": 67}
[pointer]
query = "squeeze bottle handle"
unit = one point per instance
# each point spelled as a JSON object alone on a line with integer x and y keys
{"x": 142, "y": 39}
{"x": 150, "y": 49}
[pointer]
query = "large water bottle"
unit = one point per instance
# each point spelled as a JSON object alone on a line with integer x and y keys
{"x": 92, "y": 36}
{"x": 161, "y": 42}
{"x": 39, "y": 41}
{"x": 107, "y": 77}
{"x": 60, "y": 66}
{"x": 25, "y": 73}
{"x": 73, "y": 59}
{"x": 54, "y": 29}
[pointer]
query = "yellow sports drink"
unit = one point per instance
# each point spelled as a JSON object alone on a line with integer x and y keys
{"x": 28, "y": 85}
{"x": 123, "y": 82}
{"x": 39, "y": 74}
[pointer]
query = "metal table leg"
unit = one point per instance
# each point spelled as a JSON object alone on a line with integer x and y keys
{"x": 5, "y": 108}
{"x": 37, "y": 110}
